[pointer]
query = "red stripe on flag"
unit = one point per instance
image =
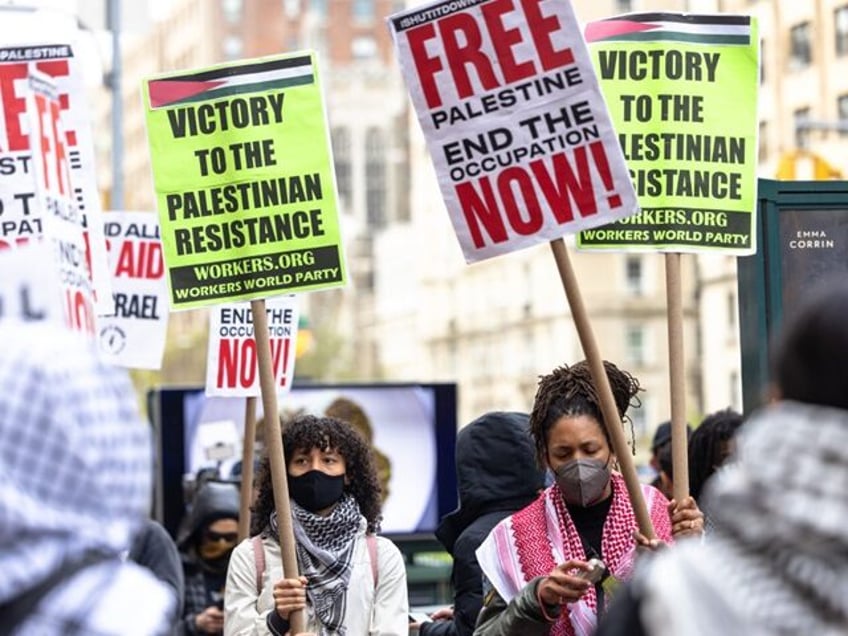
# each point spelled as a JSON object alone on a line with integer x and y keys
{"x": 610, "y": 28}
{"x": 164, "y": 92}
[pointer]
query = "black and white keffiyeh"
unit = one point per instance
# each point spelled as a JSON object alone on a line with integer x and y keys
{"x": 324, "y": 555}
{"x": 777, "y": 562}
{"x": 75, "y": 456}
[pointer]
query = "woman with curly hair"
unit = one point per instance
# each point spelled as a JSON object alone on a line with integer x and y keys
{"x": 539, "y": 579}
{"x": 352, "y": 582}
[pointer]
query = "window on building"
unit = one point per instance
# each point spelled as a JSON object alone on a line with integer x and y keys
{"x": 342, "y": 159}
{"x": 800, "y": 46}
{"x": 840, "y": 21}
{"x": 318, "y": 7}
{"x": 635, "y": 345}
{"x": 375, "y": 177}
{"x": 802, "y": 133}
{"x": 231, "y": 10}
{"x": 363, "y": 10}
{"x": 731, "y": 310}
{"x": 291, "y": 8}
{"x": 635, "y": 275}
{"x": 762, "y": 142}
{"x": 623, "y": 6}
{"x": 735, "y": 391}
{"x": 363, "y": 47}
{"x": 842, "y": 112}
{"x": 233, "y": 47}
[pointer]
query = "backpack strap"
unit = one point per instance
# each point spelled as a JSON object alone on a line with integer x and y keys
{"x": 259, "y": 561}
{"x": 15, "y": 611}
{"x": 371, "y": 541}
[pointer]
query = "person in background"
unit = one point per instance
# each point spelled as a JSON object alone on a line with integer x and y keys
{"x": 496, "y": 475}
{"x": 710, "y": 446}
{"x": 776, "y": 561}
{"x": 154, "y": 549}
{"x": 534, "y": 560}
{"x": 352, "y": 581}
{"x": 661, "y": 458}
{"x": 75, "y": 486}
{"x": 206, "y": 542}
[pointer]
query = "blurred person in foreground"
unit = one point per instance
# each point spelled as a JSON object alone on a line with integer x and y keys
{"x": 776, "y": 561}
{"x": 496, "y": 475}
{"x": 209, "y": 534}
{"x": 75, "y": 485}
{"x": 535, "y": 559}
{"x": 154, "y": 549}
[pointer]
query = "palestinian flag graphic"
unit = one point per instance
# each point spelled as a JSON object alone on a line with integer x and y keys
{"x": 232, "y": 80}
{"x": 672, "y": 27}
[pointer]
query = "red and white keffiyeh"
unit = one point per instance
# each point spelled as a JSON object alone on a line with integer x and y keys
{"x": 533, "y": 541}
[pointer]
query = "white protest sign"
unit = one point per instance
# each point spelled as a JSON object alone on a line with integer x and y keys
{"x": 134, "y": 335}
{"x": 231, "y": 365}
{"x": 21, "y": 218}
{"x": 29, "y": 289}
{"x": 62, "y": 219}
{"x": 515, "y": 121}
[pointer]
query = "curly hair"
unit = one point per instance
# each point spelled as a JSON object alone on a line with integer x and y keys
{"x": 570, "y": 391}
{"x": 305, "y": 432}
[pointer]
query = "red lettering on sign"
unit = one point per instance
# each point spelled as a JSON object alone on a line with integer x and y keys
{"x": 140, "y": 259}
{"x": 14, "y": 107}
{"x": 79, "y": 311}
{"x": 564, "y": 181}
{"x": 463, "y": 39}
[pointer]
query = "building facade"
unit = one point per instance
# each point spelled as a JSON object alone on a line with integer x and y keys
{"x": 413, "y": 309}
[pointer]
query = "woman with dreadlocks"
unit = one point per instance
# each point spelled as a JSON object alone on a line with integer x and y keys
{"x": 539, "y": 579}
{"x": 352, "y": 581}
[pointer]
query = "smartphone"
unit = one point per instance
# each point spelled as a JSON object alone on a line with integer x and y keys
{"x": 596, "y": 573}
{"x": 419, "y": 617}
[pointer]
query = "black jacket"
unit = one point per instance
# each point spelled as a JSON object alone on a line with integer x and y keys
{"x": 496, "y": 475}
{"x": 203, "y": 587}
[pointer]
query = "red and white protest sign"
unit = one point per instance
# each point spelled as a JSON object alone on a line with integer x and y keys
{"x": 515, "y": 121}
{"x": 21, "y": 219}
{"x": 231, "y": 364}
{"x": 134, "y": 335}
{"x": 61, "y": 217}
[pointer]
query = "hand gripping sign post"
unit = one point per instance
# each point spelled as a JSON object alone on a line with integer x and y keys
{"x": 522, "y": 143}
{"x": 231, "y": 369}
{"x": 247, "y": 205}
{"x": 682, "y": 91}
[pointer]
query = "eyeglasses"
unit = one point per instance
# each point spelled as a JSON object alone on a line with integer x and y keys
{"x": 211, "y": 535}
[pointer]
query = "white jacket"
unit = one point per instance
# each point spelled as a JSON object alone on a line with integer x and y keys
{"x": 370, "y": 612}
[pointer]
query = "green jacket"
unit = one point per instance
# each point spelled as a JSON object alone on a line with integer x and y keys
{"x": 522, "y": 616}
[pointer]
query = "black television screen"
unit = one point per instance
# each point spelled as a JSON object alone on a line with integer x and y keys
{"x": 412, "y": 429}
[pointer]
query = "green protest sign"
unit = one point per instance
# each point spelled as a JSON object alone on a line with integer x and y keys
{"x": 682, "y": 93}
{"x": 244, "y": 180}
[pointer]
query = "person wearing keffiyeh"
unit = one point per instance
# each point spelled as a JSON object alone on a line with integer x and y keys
{"x": 345, "y": 588}
{"x": 776, "y": 559}
{"x": 75, "y": 485}
{"x": 533, "y": 559}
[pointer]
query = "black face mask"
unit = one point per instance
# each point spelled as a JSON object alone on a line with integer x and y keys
{"x": 316, "y": 490}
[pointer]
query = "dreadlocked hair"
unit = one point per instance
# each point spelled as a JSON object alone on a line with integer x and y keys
{"x": 570, "y": 391}
{"x": 305, "y": 432}
{"x": 707, "y": 446}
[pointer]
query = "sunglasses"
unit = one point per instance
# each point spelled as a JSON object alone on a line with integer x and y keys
{"x": 211, "y": 535}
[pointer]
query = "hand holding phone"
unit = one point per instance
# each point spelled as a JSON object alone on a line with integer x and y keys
{"x": 419, "y": 617}
{"x": 595, "y": 573}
